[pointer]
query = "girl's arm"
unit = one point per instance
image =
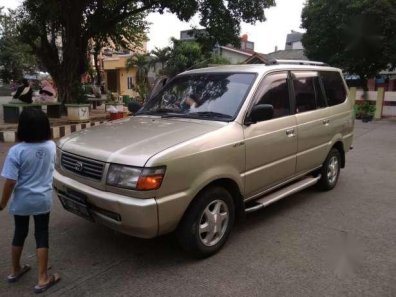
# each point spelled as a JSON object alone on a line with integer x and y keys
{"x": 7, "y": 191}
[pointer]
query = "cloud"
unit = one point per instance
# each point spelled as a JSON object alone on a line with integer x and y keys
{"x": 283, "y": 18}
{"x": 10, "y": 3}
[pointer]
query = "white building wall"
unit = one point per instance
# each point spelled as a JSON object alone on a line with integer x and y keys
{"x": 233, "y": 57}
{"x": 389, "y": 108}
{"x": 297, "y": 45}
{"x": 371, "y": 95}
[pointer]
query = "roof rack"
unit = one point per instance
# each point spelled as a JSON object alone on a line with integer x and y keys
{"x": 296, "y": 62}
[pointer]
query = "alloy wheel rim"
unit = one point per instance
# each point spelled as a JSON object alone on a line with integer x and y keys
{"x": 213, "y": 223}
{"x": 332, "y": 170}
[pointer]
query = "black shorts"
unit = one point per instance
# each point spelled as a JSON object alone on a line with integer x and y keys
{"x": 41, "y": 223}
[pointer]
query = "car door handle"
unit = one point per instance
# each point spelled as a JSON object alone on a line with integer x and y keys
{"x": 326, "y": 122}
{"x": 290, "y": 132}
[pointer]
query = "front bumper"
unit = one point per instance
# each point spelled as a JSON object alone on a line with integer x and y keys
{"x": 136, "y": 217}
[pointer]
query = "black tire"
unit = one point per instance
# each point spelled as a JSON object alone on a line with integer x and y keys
{"x": 188, "y": 233}
{"x": 328, "y": 180}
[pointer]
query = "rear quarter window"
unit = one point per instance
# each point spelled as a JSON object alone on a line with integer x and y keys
{"x": 334, "y": 87}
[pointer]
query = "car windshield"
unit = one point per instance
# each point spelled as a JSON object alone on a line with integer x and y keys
{"x": 211, "y": 96}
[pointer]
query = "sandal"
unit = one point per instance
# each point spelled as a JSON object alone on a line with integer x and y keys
{"x": 53, "y": 279}
{"x": 14, "y": 278}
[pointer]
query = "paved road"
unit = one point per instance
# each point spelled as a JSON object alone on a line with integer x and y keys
{"x": 296, "y": 247}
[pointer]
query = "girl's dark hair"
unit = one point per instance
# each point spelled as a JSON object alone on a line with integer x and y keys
{"x": 33, "y": 126}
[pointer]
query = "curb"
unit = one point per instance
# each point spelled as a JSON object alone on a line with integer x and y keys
{"x": 56, "y": 132}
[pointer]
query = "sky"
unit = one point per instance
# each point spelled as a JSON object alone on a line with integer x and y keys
{"x": 281, "y": 19}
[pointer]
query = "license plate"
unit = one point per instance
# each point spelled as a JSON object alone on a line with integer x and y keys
{"x": 75, "y": 207}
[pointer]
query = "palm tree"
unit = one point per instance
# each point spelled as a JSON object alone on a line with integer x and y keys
{"x": 161, "y": 55}
{"x": 142, "y": 64}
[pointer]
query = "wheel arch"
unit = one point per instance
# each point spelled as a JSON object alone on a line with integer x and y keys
{"x": 340, "y": 147}
{"x": 232, "y": 187}
{"x": 187, "y": 231}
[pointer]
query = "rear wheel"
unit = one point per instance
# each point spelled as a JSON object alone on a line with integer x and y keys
{"x": 330, "y": 170}
{"x": 207, "y": 222}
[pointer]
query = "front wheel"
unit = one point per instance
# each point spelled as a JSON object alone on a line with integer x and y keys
{"x": 207, "y": 223}
{"x": 330, "y": 170}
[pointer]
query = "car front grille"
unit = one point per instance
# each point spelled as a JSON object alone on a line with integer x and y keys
{"x": 82, "y": 166}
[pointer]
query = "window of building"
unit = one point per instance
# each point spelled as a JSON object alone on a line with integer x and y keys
{"x": 250, "y": 45}
{"x": 130, "y": 82}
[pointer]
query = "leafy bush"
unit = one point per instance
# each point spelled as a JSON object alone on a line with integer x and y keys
{"x": 364, "y": 109}
{"x": 368, "y": 108}
{"x": 78, "y": 94}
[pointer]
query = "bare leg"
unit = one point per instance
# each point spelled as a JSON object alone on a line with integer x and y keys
{"x": 44, "y": 280}
{"x": 16, "y": 252}
{"x": 42, "y": 259}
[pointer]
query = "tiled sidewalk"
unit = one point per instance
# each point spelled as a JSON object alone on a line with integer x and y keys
{"x": 59, "y": 127}
{"x": 56, "y": 132}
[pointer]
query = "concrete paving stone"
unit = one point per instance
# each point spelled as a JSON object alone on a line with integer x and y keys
{"x": 337, "y": 243}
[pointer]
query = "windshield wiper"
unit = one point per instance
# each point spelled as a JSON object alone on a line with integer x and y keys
{"x": 175, "y": 115}
{"x": 210, "y": 114}
{"x": 170, "y": 113}
{"x": 159, "y": 111}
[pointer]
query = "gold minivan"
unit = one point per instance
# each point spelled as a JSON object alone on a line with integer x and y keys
{"x": 210, "y": 146}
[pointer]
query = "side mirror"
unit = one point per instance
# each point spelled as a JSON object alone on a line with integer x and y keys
{"x": 260, "y": 113}
{"x": 134, "y": 107}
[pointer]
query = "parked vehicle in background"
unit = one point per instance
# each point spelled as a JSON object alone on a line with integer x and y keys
{"x": 211, "y": 145}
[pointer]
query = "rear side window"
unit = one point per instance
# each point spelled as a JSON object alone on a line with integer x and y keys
{"x": 334, "y": 87}
{"x": 275, "y": 91}
{"x": 307, "y": 90}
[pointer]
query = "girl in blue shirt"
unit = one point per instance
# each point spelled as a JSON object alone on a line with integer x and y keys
{"x": 28, "y": 171}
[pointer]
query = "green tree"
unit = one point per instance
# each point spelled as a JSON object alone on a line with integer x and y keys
{"x": 15, "y": 56}
{"x": 183, "y": 56}
{"x": 217, "y": 59}
{"x": 142, "y": 64}
{"x": 355, "y": 35}
{"x": 161, "y": 55}
{"x": 189, "y": 55}
{"x": 59, "y": 31}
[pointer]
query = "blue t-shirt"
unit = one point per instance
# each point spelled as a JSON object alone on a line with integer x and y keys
{"x": 31, "y": 165}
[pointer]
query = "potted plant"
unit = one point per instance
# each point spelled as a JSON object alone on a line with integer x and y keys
{"x": 78, "y": 110}
{"x": 113, "y": 99}
{"x": 357, "y": 111}
{"x": 367, "y": 110}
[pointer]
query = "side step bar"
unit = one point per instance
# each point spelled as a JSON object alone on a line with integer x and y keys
{"x": 283, "y": 192}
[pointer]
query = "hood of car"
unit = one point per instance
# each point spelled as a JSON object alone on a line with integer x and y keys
{"x": 134, "y": 140}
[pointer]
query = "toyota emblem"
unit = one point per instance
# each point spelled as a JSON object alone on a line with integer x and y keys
{"x": 78, "y": 166}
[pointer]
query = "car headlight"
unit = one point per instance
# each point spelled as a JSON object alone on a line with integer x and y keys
{"x": 141, "y": 179}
